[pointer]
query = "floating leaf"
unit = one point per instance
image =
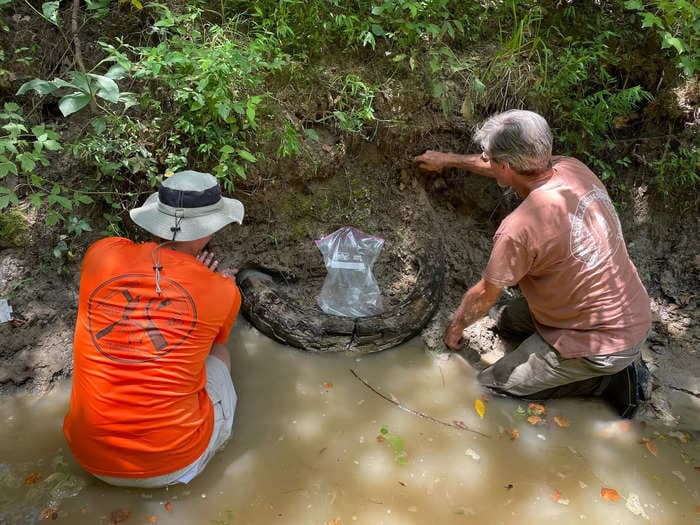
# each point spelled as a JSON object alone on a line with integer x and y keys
{"x": 535, "y": 409}
{"x": 480, "y": 408}
{"x": 336, "y": 521}
{"x": 651, "y": 447}
{"x": 561, "y": 421}
{"x": 609, "y": 494}
{"x": 152, "y": 519}
{"x": 533, "y": 420}
{"x": 556, "y": 495}
{"x": 49, "y": 513}
{"x": 514, "y": 434}
{"x": 32, "y": 478}
{"x": 118, "y": 516}
{"x": 168, "y": 506}
{"x": 327, "y": 385}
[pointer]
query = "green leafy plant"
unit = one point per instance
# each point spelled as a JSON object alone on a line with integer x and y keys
{"x": 677, "y": 22}
{"x": 21, "y": 150}
{"x": 83, "y": 89}
{"x": 353, "y": 103}
{"x": 677, "y": 171}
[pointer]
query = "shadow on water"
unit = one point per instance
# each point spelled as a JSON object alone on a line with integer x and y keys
{"x": 305, "y": 451}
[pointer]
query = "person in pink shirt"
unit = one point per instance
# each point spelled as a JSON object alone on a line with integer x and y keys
{"x": 584, "y": 312}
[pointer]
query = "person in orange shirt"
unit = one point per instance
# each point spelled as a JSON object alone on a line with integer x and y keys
{"x": 152, "y": 397}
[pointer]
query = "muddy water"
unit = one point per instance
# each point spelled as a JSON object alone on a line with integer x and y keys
{"x": 305, "y": 451}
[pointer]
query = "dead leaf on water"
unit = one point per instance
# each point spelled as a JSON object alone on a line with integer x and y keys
{"x": 651, "y": 446}
{"x": 32, "y": 478}
{"x": 168, "y": 506}
{"x": 480, "y": 408}
{"x": 514, "y": 434}
{"x": 561, "y": 421}
{"x": 334, "y": 522}
{"x": 118, "y": 516}
{"x": 49, "y": 513}
{"x": 327, "y": 385}
{"x": 533, "y": 420}
{"x": 152, "y": 519}
{"x": 535, "y": 409}
{"x": 609, "y": 494}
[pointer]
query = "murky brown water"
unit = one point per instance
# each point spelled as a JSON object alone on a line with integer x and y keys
{"x": 305, "y": 451}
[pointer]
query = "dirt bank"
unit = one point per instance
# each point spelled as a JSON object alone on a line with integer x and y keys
{"x": 373, "y": 185}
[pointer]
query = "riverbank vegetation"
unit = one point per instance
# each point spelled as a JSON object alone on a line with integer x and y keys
{"x": 103, "y": 99}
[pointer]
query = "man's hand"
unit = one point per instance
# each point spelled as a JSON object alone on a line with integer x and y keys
{"x": 207, "y": 259}
{"x": 230, "y": 273}
{"x": 431, "y": 161}
{"x": 453, "y": 337}
{"x": 475, "y": 304}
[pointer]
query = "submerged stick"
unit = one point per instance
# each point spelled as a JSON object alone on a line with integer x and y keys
{"x": 416, "y": 412}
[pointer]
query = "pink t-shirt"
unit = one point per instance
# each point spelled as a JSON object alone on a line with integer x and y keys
{"x": 563, "y": 245}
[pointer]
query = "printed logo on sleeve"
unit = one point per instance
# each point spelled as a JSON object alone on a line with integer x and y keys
{"x": 596, "y": 233}
{"x": 129, "y": 327}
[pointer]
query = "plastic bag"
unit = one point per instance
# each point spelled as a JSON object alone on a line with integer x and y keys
{"x": 350, "y": 289}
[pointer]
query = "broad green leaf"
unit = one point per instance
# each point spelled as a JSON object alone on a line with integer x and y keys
{"x": 128, "y": 99}
{"x": 377, "y": 30}
{"x": 12, "y": 107}
{"x": 52, "y": 145}
{"x": 106, "y": 87}
{"x": 61, "y": 200}
{"x": 60, "y": 83}
{"x": 4, "y": 201}
{"x": 650, "y": 20}
{"x": 53, "y": 218}
{"x": 99, "y": 125}
{"x": 7, "y": 167}
{"x": 27, "y": 163}
{"x": 82, "y": 198}
{"x": 80, "y": 81}
{"x": 73, "y": 102}
{"x": 116, "y": 72}
{"x": 311, "y": 133}
{"x": 246, "y": 155}
{"x": 42, "y": 87}
{"x": 672, "y": 41}
{"x": 50, "y": 10}
{"x": 637, "y": 5}
{"x": 36, "y": 199}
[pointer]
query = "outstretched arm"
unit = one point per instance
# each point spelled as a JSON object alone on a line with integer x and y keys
{"x": 438, "y": 161}
{"x": 475, "y": 304}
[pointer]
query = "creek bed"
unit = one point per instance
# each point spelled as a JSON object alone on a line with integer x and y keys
{"x": 305, "y": 451}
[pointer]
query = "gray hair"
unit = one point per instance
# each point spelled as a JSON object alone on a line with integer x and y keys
{"x": 522, "y": 138}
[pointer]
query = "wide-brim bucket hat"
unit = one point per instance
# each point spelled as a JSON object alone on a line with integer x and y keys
{"x": 188, "y": 206}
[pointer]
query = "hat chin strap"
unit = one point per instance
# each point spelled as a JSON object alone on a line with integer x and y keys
{"x": 155, "y": 254}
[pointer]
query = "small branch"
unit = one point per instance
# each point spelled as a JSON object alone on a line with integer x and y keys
{"x": 416, "y": 412}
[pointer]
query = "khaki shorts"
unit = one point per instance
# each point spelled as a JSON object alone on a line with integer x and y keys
{"x": 223, "y": 397}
